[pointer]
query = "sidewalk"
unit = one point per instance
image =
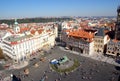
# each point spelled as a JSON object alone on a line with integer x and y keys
{"x": 8, "y": 78}
{"x": 98, "y": 57}
{"x": 4, "y": 76}
{"x": 19, "y": 66}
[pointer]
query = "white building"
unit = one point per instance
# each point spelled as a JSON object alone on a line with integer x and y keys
{"x": 21, "y": 46}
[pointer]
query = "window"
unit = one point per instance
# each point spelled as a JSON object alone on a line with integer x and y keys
{"x": 98, "y": 40}
{"x": 98, "y": 45}
{"x": 95, "y": 40}
{"x": 112, "y": 52}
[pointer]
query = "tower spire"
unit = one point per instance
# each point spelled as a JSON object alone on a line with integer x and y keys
{"x": 117, "y": 27}
{"x": 16, "y": 27}
{"x": 16, "y": 23}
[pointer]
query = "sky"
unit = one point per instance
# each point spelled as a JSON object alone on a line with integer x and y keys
{"x": 55, "y": 8}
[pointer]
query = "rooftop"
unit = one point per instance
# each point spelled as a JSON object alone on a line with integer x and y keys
{"x": 101, "y": 32}
{"x": 81, "y": 33}
{"x": 17, "y": 38}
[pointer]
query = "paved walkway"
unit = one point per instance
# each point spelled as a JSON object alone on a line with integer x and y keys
{"x": 19, "y": 65}
{"x": 4, "y": 76}
{"x": 7, "y": 77}
{"x": 98, "y": 57}
{"x": 66, "y": 65}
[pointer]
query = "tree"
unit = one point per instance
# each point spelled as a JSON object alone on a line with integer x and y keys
{"x": 1, "y": 54}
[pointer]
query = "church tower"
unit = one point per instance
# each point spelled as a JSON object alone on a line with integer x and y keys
{"x": 16, "y": 27}
{"x": 117, "y": 28}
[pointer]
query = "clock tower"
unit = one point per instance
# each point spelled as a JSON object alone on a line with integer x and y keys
{"x": 117, "y": 28}
{"x": 16, "y": 27}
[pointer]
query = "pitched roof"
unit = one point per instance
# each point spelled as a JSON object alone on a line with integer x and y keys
{"x": 11, "y": 31}
{"x": 14, "y": 38}
{"x": 23, "y": 29}
{"x": 101, "y": 32}
{"x": 81, "y": 33}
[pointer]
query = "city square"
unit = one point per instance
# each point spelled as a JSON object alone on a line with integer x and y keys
{"x": 88, "y": 70}
{"x": 60, "y": 40}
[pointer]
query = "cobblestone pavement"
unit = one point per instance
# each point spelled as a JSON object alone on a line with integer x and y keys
{"x": 98, "y": 57}
{"x": 89, "y": 69}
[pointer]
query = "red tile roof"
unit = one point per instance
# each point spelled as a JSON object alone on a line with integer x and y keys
{"x": 11, "y": 31}
{"x": 81, "y": 34}
{"x": 24, "y": 29}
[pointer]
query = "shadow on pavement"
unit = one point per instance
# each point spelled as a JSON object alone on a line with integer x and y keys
{"x": 1, "y": 67}
{"x": 117, "y": 68}
{"x": 119, "y": 78}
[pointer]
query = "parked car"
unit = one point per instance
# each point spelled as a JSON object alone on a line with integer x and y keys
{"x": 54, "y": 61}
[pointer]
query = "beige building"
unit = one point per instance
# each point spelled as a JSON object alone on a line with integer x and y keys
{"x": 100, "y": 41}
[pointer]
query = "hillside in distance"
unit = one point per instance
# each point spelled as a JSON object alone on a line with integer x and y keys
{"x": 35, "y": 20}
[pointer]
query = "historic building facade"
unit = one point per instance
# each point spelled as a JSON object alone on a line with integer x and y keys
{"x": 100, "y": 41}
{"x": 21, "y": 46}
{"x": 113, "y": 47}
{"x": 78, "y": 40}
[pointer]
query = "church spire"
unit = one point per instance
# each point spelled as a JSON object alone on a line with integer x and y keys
{"x": 16, "y": 23}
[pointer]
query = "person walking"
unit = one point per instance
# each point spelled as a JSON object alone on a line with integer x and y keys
{"x": 19, "y": 79}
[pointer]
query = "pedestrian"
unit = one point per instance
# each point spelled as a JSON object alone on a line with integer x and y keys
{"x": 59, "y": 78}
{"x": 14, "y": 78}
{"x": 19, "y": 79}
{"x": 119, "y": 78}
{"x": 32, "y": 80}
